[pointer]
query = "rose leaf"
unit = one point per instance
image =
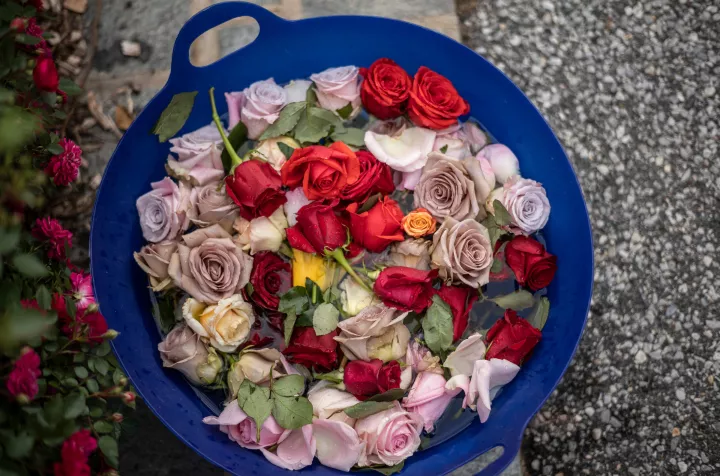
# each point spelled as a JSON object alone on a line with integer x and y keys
{"x": 258, "y": 406}
{"x": 388, "y": 470}
{"x": 288, "y": 119}
{"x": 350, "y": 136}
{"x": 539, "y": 316}
{"x": 244, "y": 391}
{"x": 289, "y": 325}
{"x": 389, "y": 396}
{"x": 289, "y": 386}
{"x": 292, "y": 412}
{"x": 285, "y": 149}
{"x": 237, "y": 137}
{"x": 517, "y": 300}
{"x": 369, "y": 203}
{"x": 443, "y": 149}
{"x": 497, "y": 265}
{"x": 109, "y": 448}
{"x": 315, "y": 125}
{"x": 502, "y": 216}
{"x": 310, "y": 97}
{"x": 296, "y": 299}
{"x": 438, "y": 326}
{"x": 174, "y": 116}
{"x": 345, "y": 111}
{"x": 367, "y": 408}
{"x": 325, "y": 319}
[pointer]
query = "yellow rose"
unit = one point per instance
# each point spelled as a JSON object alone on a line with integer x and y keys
{"x": 307, "y": 265}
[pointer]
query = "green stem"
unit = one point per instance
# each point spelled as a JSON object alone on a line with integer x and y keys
{"x": 236, "y": 160}
{"x": 337, "y": 255}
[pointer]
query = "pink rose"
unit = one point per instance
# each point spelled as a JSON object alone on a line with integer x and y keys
{"x": 198, "y": 156}
{"x": 82, "y": 290}
{"x": 296, "y": 451}
{"x": 390, "y": 436}
{"x": 503, "y": 162}
{"x": 242, "y": 430}
{"x": 258, "y": 107}
{"x": 429, "y": 398}
{"x": 420, "y": 359}
{"x": 454, "y": 142}
{"x": 338, "y": 445}
{"x": 164, "y": 210}
{"x": 338, "y": 87}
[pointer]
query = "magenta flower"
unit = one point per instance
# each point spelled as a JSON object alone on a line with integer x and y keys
{"x": 82, "y": 290}
{"x": 23, "y": 377}
{"x": 64, "y": 167}
{"x": 51, "y": 231}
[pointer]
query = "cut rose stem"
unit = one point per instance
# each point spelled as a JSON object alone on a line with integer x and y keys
{"x": 236, "y": 160}
{"x": 337, "y": 255}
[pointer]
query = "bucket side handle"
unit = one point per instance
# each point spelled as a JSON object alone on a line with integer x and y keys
{"x": 510, "y": 447}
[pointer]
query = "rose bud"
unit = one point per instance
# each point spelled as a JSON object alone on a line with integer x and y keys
{"x": 511, "y": 338}
{"x": 386, "y": 89}
{"x": 110, "y": 334}
{"x": 128, "y": 397}
{"x": 502, "y": 160}
{"x": 154, "y": 259}
{"x": 183, "y": 350}
{"x": 117, "y": 417}
{"x": 460, "y": 299}
{"x": 45, "y": 75}
{"x": 209, "y": 370}
{"x": 533, "y": 266}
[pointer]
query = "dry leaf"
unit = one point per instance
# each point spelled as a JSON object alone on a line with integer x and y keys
{"x": 77, "y": 6}
{"x": 123, "y": 118}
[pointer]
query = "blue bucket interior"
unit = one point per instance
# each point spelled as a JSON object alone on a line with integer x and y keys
{"x": 288, "y": 50}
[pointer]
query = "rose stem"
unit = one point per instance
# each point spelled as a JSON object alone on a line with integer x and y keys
{"x": 338, "y": 255}
{"x": 216, "y": 119}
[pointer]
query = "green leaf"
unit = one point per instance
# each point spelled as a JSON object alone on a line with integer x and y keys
{"x": 517, "y": 301}
{"x": 18, "y": 326}
{"x": 19, "y": 446}
{"x": 174, "y": 116}
{"x": 244, "y": 391}
{"x": 443, "y": 149}
{"x": 102, "y": 349}
{"x": 54, "y": 409}
{"x": 296, "y": 299}
{"x": 81, "y": 372}
{"x": 336, "y": 376}
{"x": 70, "y": 307}
{"x": 42, "y": 296}
{"x": 74, "y": 406}
{"x": 305, "y": 319}
{"x": 103, "y": 426}
{"x": 289, "y": 386}
{"x": 497, "y": 265}
{"x": 502, "y": 217}
{"x": 388, "y": 470}
{"x": 350, "y": 136}
{"x": 292, "y": 413}
{"x": 258, "y": 406}
{"x": 102, "y": 366}
{"x": 311, "y": 97}
{"x": 49, "y": 98}
{"x": 55, "y": 149}
{"x": 25, "y": 39}
{"x": 369, "y": 203}
{"x": 389, "y": 396}
{"x": 30, "y": 265}
{"x": 494, "y": 230}
{"x": 325, "y": 319}
{"x": 285, "y": 149}
{"x": 367, "y": 408}
{"x": 17, "y": 128}
{"x": 69, "y": 86}
{"x": 237, "y": 137}
{"x": 438, "y": 326}
{"x": 315, "y": 125}
{"x": 70, "y": 382}
{"x": 109, "y": 448}
{"x": 289, "y": 325}
{"x": 288, "y": 119}
{"x": 539, "y": 316}
{"x": 9, "y": 240}
{"x": 92, "y": 385}
{"x": 345, "y": 111}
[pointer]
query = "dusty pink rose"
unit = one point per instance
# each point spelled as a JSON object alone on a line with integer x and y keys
{"x": 183, "y": 350}
{"x": 82, "y": 290}
{"x": 154, "y": 259}
{"x": 420, "y": 359}
{"x": 50, "y": 230}
{"x": 242, "y": 430}
{"x": 213, "y": 205}
{"x": 296, "y": 451}
{"x": 338, "y": 444}
{"x": 411, "y": 253}
{"x": 338, "y": 87}
{"x": 258, "y": 107}
{"x": 462, "y": 252}
{"x": 377, "y": 332}
{"x": 390, "y": 127}
{"x": 428, "y": 397}
{"x": 64, "y": 167}
{"x": 198, "y": 156}
{"x": 527, "y": 204}
{"x": 164, "y": 210}
{"x": 209, "y": 266}
{"x": 390, "y": 436}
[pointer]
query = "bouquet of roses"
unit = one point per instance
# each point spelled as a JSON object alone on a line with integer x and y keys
{"x": 319, "y": 260}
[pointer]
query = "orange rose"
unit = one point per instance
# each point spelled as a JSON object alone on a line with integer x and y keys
{"x": 419, "y": 223}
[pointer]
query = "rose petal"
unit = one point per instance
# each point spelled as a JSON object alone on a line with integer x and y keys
{"x": 338, "y": 445}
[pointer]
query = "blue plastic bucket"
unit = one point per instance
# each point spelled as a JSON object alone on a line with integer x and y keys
{"x": 288, "y": 50}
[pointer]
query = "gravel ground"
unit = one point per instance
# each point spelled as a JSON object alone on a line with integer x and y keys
{"x": 631, "y": 89}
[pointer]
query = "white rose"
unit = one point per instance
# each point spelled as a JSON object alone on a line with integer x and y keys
{"x": 296, "y": 199}
{"x": 407, "y": 152}
{"x": 226, "y": 324}
{"x": 327, "y": 400}
{"x": 355, "y": 298}
{"x": 261, "y": 233}
{"x": 257, "y": 365}
{"x": 462, "y": 359}
{"x": 502, "y": 160}
{"x": 296, "y": 90}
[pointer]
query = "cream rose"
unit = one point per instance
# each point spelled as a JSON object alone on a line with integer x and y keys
{"x": 296, "y": 90}
{"x": 411, "y": 253}
{"x": 390, "y": 436}
{"x": 354, "y": 298}
{"x": 226, "y": 324}
{"x": 462, "y": 359}
{"x": 261, "y": 233}
{"x": 462, "y": 252}
{"x": 257, "y": 365}
{"x": 373, "y": 330}
{"x": 328, "y": 401}
{"x": 154, "y": 259}
{"x": 269, "y": 151}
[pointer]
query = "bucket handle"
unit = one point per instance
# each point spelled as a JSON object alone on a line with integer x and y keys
{"x": 510, "y": 450}
{"x": 211, "y": 17}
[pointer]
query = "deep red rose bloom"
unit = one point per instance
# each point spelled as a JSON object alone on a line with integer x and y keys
{"x": 318, "y": 353}
{"x": 375, "y": 177}
{"x": 460, "y": 299}
{"x": 434, "y": 102}
{"x": 511, "y": 338}
{"x": 57, "y": 237}
{"x": 89, "y": 324}
{"x": 365, "y": 379}
{"x": 322, "y": 171}
{"x": 75, "y": 452}
{"x": 317, "y": 228}
{"x": 385, "y": 89}
{"x": 256, "y": 188}
{"x": 533, "y": 266}
{"x": 406, "y": 289}
{"x": 23, "y": 377}
{"x": 270, "y": 278}
{"x": 64, "y": 167}
{"x": 45, "y": 74}
{"x": 376, "y": 228}
{"x": 31, "y": 28}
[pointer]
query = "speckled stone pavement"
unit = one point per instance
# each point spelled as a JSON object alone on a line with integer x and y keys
{"x": 632, "y": 90}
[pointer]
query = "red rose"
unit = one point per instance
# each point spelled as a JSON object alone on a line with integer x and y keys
{"x": 318, "y": 353}
{"x": 406, "y": 289}
{"x": 75, "y": 452}
{"x": 317, "y": 228}
{"x": 84, "y": 323}
{"x": 533, "y": 266}
{"x": 460, "y": 299}
{"x": 256, "y": 188}
{"x": 23, "y": 377}
{"x": 511, "y": 338}
{"x": 375, "y": 177}
{"x": 270, "y": 277}
{"x": 365, "y": 379}
{"x": 322, "y": 171}
{"x": 376, "y": 228}
{"x": 45, "y": 75}
{"x": 385, "y": 89}
{"x": 434, "y": 101}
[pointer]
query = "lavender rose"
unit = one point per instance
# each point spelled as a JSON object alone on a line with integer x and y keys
{"x": 462, "y": 252}
{"x": 338, "y": 87}
{"x": 214, "y": 206}
{"x": 390, "y": 436}
{"x": 198, "y": 156}
{"x": 411, "y": 253}
{"x": 527, "y": 203}
{"x": 183, "y": 350}
{"x": 257, "y": 106}
{"x": 154, "y": 259}
{"x": 209, "y": 266}
{"x": 164, "y": 210}
{"x": 452, "y": 188}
